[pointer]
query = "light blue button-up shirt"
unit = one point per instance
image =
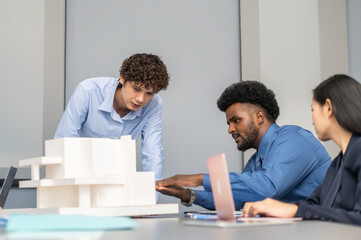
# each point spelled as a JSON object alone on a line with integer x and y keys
{"x": 293, "y": 164}
{"x": 90, "y": 113}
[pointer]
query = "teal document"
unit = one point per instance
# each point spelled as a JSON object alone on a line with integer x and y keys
{"x": 54, "y": 222}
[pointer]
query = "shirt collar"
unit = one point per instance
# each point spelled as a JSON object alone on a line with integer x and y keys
{"x": 133, "y": 114}
{"x": 107, "y": 104}
{"x": 354, "y": 138}
{"x": 267, "y": 139}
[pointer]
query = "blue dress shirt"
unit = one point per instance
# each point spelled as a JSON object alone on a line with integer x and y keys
{"x": 293, "y": 163}
{"x": 90, "y": 113}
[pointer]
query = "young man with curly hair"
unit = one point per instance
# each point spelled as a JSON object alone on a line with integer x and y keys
{"x": 107, "y": 107}
{"x": 289, "y": 163}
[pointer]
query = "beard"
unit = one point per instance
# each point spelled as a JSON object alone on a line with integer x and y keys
{"x": 249, "y": 140}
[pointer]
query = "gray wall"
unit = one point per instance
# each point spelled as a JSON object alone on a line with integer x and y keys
{"x": 21, "y": 198}
{"x": 354, "y": 37}
{"x": 31, "y": 83}
{"x": 198, "y": 41}
{"x": 31, "y": 76}
{"x": 21, "y": 80}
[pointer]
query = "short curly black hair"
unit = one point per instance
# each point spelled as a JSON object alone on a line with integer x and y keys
{"x": 251, "y": 92}
{"x": 146, "y": 70}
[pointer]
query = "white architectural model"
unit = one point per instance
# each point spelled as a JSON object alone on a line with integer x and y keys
{"x": 94, "y": 176}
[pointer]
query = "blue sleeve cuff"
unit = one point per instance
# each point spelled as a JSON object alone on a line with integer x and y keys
{"x": 204, "y": 199}
{"x": 207, "y": 183}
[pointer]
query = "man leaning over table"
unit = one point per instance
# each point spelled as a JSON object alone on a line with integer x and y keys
{"x": 107, "y": 107}
{"x": 288, "y": 165}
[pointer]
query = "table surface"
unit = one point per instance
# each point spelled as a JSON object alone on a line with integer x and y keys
{"x": 172, "y": 228}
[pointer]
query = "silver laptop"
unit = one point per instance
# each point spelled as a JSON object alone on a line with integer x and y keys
{"x": 224, "y": 203}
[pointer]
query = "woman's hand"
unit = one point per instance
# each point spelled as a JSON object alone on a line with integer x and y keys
{"x": 269, "y": 208}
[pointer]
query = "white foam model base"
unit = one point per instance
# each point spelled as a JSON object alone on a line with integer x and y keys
{"x": 131, "y": 211}
{"x": 92, "y": 176}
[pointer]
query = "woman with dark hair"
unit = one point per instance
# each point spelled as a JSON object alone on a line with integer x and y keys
{"x": 336, "y": 107}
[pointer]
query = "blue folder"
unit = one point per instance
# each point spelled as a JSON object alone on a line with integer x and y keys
{"x": 55, "y": 222}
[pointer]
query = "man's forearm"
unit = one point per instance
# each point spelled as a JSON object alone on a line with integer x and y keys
{"x": 193, "y": 180}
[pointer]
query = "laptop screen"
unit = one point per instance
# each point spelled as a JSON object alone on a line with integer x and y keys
{"x": 221, "y": 187}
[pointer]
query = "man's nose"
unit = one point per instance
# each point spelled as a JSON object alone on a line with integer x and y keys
{"x": 140, "y": 98}
{"x": 230, "y": 128}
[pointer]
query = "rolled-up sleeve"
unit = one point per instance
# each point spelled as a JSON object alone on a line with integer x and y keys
{"x": 152, "y": 148}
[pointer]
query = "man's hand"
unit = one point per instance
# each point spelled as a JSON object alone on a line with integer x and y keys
{"x": 193, "y": 180}
{"x": 178, "y": 192}
{"x": 269, "y": 208}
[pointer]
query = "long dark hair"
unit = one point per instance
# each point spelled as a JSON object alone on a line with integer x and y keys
{"x": 344, "y": 93}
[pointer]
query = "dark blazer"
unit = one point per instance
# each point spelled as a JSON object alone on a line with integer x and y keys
{"x": 338, "y": 198}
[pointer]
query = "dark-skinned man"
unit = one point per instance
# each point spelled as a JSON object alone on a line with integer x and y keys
{"x": 289, "y": 163}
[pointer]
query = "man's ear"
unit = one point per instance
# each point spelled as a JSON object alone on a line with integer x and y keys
{"x": 121, "y": 80}
{"x": 260, "y": 117}
{"x": 327, "y": 108}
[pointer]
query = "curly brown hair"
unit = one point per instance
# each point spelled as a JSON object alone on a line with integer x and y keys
{"x": 146, "y": 70}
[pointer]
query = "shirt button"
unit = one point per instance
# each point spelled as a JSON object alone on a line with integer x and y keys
{"x": 308, "y": 214}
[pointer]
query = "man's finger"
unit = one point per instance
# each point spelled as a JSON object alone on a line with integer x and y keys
{"x": 165, "y": 182}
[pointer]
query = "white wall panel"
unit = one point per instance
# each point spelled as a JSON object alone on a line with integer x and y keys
{"x": 31, "y": 76}
{"x": 297, "y": 44}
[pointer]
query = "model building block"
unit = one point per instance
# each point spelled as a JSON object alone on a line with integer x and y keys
{"x": 93, "y": 175}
